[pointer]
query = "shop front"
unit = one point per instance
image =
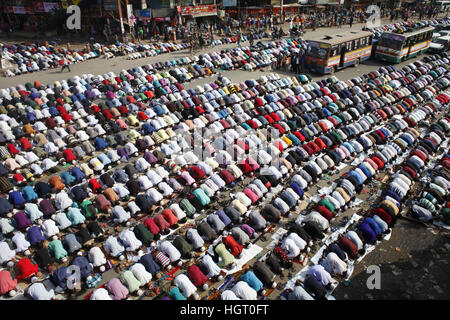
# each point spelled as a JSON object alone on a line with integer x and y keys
{"x": 28, "y": 16}
{"x": 198, "y": 15}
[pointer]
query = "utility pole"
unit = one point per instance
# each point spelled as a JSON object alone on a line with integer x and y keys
{"x": 121, "y": 21}
{"x": 239, "y": 12}
{"x": 281, "y": 11}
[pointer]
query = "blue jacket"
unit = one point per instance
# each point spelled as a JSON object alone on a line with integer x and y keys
{"x": 78, "y": 174}
{"x": 374, "y": 225}
{"x": 67, "y": 178}
{"x": 296, "y": 187}
{"x": 59, "y": 277}
{"x": 147, "y": 128}
{"x": 222, "y": 215}
{"x": 252, "y": 280}
{"x": 86, "y": 268}
{"x": 5, "y": 206}
{"x": 35, "y": 235}
{"x": 149, "y": 264}
{"x": 29, "y": 194}
{"x": 367, "y": 232}
{"x": 100, "y": 144}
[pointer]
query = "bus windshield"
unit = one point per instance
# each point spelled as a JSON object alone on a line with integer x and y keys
{"x": 317, "y": 52}
{"x": 392, "y": 41}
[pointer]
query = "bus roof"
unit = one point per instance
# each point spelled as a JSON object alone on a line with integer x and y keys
{"x": 343, "y": 37}
{"x": 412, "y": 33}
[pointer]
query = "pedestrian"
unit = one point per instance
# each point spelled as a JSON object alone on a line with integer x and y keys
{"x": 351, "y": 21}
{"x": 65, "y": 65}
{"x": 141, "y": 33}
{"x": 239, "y": 38}
{"x": 296, "y": 63}
{"x": 302, "y": 63}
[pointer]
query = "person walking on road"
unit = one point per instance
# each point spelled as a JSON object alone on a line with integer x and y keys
{"x": 191, "y": 46}
{"x": 351, "y": 21}
{"x": 239, "y": 35}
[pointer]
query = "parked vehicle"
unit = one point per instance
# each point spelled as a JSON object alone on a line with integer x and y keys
{"x": 332, "y": 53}
{"x": 440, "y": 44}
{"x": 396, "y": 47}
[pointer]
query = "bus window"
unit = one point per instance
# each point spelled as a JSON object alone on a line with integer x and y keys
{"x": 317, "y": 52}
{"x": 408, "y": 42}
{"x": 370, "y": 40}
{"x": 420, "y": 37}
{"x": 355, "y": 44}
{"x": 334, "y": 51}
{"x": 363, "y": 42}
{"x": 392, "y": 41}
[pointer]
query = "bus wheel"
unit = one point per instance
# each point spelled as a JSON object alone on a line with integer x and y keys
{"x": 356, "y": 63}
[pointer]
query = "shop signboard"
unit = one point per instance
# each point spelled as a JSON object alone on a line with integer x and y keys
{"x": 199, "y": 11}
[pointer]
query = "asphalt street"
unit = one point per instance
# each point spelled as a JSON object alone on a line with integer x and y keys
{"x": 102, "y": 66}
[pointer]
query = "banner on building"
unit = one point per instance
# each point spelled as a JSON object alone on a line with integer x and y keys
{"x": 229, "y": 3}
{"x": 199, "y": 11}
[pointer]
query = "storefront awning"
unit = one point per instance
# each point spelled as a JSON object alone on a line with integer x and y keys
{"x": 199, "y": 11}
